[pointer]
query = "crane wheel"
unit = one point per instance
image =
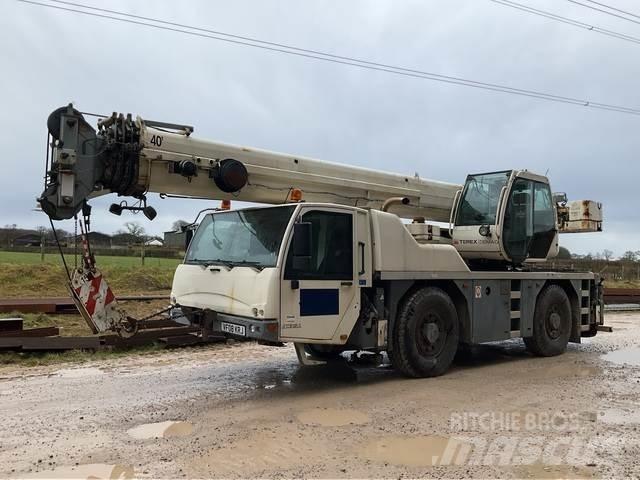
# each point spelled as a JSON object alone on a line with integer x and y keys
{"x": 426, "y": 332}
{"x": 551, "y": 323}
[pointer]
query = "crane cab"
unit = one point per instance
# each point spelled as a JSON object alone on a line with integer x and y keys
{"x": 506, "y": 216}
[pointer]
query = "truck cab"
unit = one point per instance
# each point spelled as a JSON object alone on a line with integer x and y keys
{"x": 280, "y": 273}
{"x": 507, "y": 216}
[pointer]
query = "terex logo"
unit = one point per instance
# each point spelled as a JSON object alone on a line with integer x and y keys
{"x": 475, "y": 241}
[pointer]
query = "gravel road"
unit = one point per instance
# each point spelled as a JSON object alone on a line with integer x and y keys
{"x": 245, "y": 410}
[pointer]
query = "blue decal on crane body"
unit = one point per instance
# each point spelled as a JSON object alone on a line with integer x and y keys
{"x": 319, "y": 301}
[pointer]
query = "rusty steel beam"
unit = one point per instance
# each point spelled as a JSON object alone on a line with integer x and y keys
{"x": 10, "y": 324}
{"x": 621, "y": 295}
{"x": 32, "y": 332}
{"x": 49, "y": 343}
{"x": 59, "y": 305}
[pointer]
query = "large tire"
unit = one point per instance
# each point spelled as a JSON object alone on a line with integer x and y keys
{"x": 426, "y": 332}
{"x": 551, "y": 323}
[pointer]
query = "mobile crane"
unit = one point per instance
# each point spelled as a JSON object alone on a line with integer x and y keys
{"x": 330, "y": 265}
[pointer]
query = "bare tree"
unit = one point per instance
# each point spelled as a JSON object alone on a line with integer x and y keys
{"x": 178, "y": 224}
{"x": 629, "y": 256}
{"x": 135, "y": 230}
{"x": 607, "y": 254}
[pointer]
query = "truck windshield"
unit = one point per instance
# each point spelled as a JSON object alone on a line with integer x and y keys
{"x": 250, "y": 237}
{"x": 479, "y": 202}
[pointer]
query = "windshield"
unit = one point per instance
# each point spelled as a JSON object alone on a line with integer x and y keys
{"x": 243, "y": 237}
{"x": 480, "y": 198}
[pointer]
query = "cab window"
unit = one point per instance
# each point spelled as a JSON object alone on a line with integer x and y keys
{"x": 331, "y": 248}
{"x": 479, "y": 202}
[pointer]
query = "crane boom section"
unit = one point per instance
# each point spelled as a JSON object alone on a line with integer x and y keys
{"x": 133, "y": 157}
{"x": 271, "y": 176}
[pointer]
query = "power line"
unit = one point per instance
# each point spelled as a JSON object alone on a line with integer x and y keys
{"x": 315, "y": 52}
{"x": 327, "y": 57}
{"x": 605, "y": 11}
{"x": 614, "y": 9}
{"x": 569, "y": 21}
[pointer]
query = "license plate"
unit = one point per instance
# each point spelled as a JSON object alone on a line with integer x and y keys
{"x": 233, "y": 328}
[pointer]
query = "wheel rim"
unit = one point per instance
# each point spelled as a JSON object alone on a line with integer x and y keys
{"x": 553, "y": 325}
{"x": 431, "y": 335}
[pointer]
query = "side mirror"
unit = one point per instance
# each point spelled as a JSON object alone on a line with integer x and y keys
{"x": 301, "y": 246}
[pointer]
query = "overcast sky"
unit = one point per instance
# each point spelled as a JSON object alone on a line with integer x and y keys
{"x": 242, "y": 95}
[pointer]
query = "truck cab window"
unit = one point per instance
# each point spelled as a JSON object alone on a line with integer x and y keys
{"x": 479, "y": 202}
{"x": 331, "y": 250}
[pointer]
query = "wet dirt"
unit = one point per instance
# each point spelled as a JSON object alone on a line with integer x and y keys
{"x": 572, "y": 370}
{"x": 90, "y": 471}
{"x": 332, "y": 417}
{"x": 166, "y": 429}
{"x": 253, "y": 412}
{"x": 542, "y": 471}
{"x": 423, "y": 451}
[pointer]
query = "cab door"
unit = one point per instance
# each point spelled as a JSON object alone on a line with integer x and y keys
{"x": 529, "y": 221}
{"x": 319, "y": 293}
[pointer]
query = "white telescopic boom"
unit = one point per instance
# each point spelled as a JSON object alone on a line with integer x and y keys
{"x": 133, "y": 157}
{"x": 272, "y": 176}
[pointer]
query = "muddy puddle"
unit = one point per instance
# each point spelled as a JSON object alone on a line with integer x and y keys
{"x": 89, "y": 471}
{"x": 161, "y": 430}
{"x": 624, "y": 356}
{"x": 332, "y": 417}
{"x": 423, "y": 451}
{"x": 572, "y": 370}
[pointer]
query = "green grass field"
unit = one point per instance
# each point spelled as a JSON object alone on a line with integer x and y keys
{"x": 22, "y": 274}
{"x": 33, "y": 258}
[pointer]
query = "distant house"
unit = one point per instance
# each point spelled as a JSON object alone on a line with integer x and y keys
{"x": 8, "y": 235}
{"x": 28, "y": 240}
{"x": 175, "y": 239}
{"x": 27, "y": 237}
{"x": 124, "y": 240}
{"x": 97, "y": 239}
{"x": 154, "y": 242}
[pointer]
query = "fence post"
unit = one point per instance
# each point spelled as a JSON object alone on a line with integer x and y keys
{"x": 42, "y": 243}
{"x": 142, "y": 252}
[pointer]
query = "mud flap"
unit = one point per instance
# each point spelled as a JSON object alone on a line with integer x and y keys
{"x": 304, "y": 358}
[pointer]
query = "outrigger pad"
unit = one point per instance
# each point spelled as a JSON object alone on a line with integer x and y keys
{"x": 96, "y": 302}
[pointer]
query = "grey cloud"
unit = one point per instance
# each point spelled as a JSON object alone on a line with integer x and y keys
{"x": 241, "y": 95}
